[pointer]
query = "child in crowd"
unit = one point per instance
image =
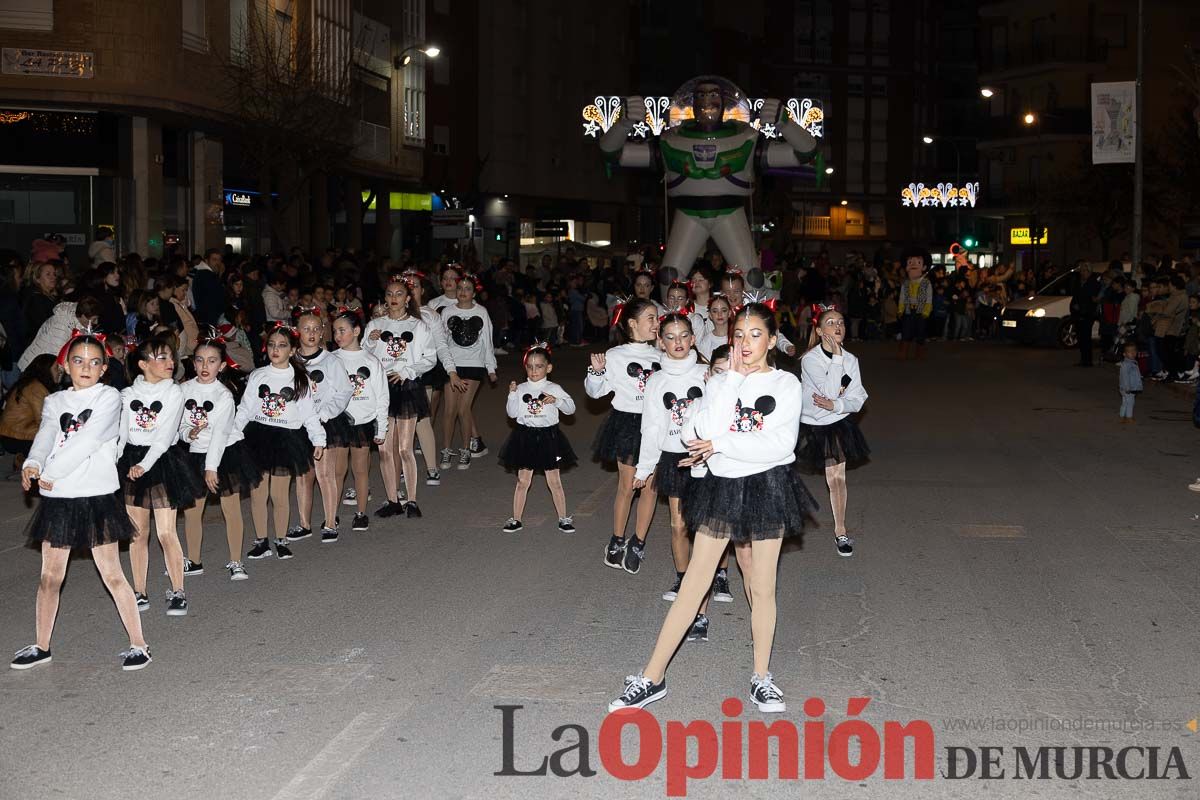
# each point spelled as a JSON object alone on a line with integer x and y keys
{"x": 1129, "y": 383}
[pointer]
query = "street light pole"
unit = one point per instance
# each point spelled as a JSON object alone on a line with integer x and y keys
{"x": 1138, "y": 129}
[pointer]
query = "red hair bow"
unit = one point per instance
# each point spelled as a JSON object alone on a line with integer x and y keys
{"x": 535, "y": 346}
{"x": 772, "y": 303}
{"x": 77, "y": 333}
{"x": 304, "y": 311}
{"x": 411, "y": 275}
{"x": 215, "y": 339}
{"x": 618, "y": 311}
{"x": 820, "y": 308}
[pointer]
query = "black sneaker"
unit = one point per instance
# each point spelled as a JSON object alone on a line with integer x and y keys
{"x": 766, "y": 695}
{"x": 673, "y": 592}
{"x": 192, "y": 567}
{"x": 699, "y": 631}
{"x": 282, "y": 550}
{"x": 261, "y": 549}
{"x": 477, "y": 447}
{"x": 512, "y": 526}
{"x": 464, "y": 459}
{"x": 720, "y": 589}
{"x": 143, "y": 602}
{"x": 361, "y": 522}
{"x": 615, "y": 552}
{"x": 298, "y": 532}
{"x": 411, "y": 509}
{"x": 390, "y": 509}
{"x": 328, "y": 535}
{"x": 845, "y": 546}
{"x": 135, "y": 658}
{"x": 30, "y": 657}
{"x": 433, "y": 477}
{"x": 237, "y": 572}
{"x": 176, "y": 604}
{"x": 566, "y": 524}
{"x": 635, "y": 554}
{"x": 350, "y": 497}
{"x": 639, "y": 692}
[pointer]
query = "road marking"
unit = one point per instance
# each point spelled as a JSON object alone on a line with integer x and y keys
{"x": 335, "y": 758}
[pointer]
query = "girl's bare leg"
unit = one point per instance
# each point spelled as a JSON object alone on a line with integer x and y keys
{"x": 139, "y": 546}
{"x": 763, "y": 571}
{"x": 408, "y": 460}
{"x": 168, "y": 538}
{"x": 281, "y": 502}
{"x": 389, "y": 462}
{"x": 54, "y": 570}
{"x": 231, "y": 509}
{"x": 360, "y": 462}
{"x": 193, "y": 529}
{"x": 108, "y": 562}
{"x": 835, "y": 476}
{"x": 624, "y": 497}
{"x": 521, "y": 492}
{"x": 331, "y": 494}
{"x": 258, "y": 506}
{"x": 304, "y": 495}
{"x": 695, "y": 586}
{"x": 646, "y": 505}
{"x": 554, "y": 481}
{"x": 466, "y": 417}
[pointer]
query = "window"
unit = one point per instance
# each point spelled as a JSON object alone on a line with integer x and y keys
{"x": 195, "y": 31}
{"x": 413, "y": 32}
{"x": 27, "y": 15}
{"x": 441, "y": 140}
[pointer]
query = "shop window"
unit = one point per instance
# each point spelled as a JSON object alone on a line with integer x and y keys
{"x": 27, "y": 15}
{"x": 195, "y": 31}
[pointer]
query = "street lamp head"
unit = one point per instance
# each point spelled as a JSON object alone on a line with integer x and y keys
{"x": 1029, "y": 118}
{"x": 405, "y": 59}
{"x": 829, "y": 170}
{"x": 432, "y": 51}
{"x": 927, "y": 139}
{"x": 845, "y": 202}
{"x": 987, "y": 92}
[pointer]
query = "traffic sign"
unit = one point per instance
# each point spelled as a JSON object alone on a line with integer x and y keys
{"x": 450, "y": 216}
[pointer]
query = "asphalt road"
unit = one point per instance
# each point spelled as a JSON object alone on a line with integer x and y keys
{"x": 1022, "y": 560}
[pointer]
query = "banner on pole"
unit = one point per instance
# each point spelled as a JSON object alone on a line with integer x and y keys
{"x": 1114, "y": 124}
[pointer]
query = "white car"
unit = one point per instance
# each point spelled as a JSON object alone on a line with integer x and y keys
{"x": 1045, "y": 317}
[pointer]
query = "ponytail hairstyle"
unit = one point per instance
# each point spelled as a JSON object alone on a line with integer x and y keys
{"x": 351, "y": 315}
{"x": 627, "y": 312}
{"x": 299, "y": 371}
{"x": 819, "y": 315}
{"x": 410, "y": 304}
{"x": 679, "y": 316}
{"x": 229, "y": 377}
{"x": 146, "y": 351}
{"x": 718, "y": 297}
{"x": 762, "y": 312}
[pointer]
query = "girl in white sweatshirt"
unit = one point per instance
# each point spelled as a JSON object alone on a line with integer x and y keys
{"x": 469, "y": 331}
{"x": 644, "y": 285}
{"x": 829, "y": 437}
{"x": 155, "y": 475}
{"x": 330, "y": 387}
{"x": 745, "y": 433}
{"x": 282, "y": 428}
{"x": 716, "y": 331}
{"x": 73, "y": 462}
{"x": 537, "y": 443}
{"x": 444, "y": 372}
{"x": 368, "y": 408}
{"x": 702, "y": 288}
{"x": 623, "y": 372}
{"x": 217, "y": 452}
{"x": 405, "y": 347}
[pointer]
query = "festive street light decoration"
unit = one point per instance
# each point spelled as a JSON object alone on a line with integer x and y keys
{"x": 943, "y": 195}
{"x": 599, "y": 116}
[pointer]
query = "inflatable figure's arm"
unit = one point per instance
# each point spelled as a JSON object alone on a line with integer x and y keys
{"x": 797, "y": 146}
{"x": 615, "y": 145}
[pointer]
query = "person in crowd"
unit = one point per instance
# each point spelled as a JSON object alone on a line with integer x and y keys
{"x": 1129, "y": 382}
{"x": 368, "y": 412}
{"x": 23, "y": 404}
{"x": 1085, "y": 304}
{"x": 57, "y": 330}
{"x": 469, "y": 333}
{"x": 39, "y": 295}
{"x": 102, "y": 250}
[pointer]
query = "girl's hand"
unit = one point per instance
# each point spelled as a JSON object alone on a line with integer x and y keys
{"x": 512, "y": 386}
{"x": 823, "y": 402}
{"x": 211, "y": 480}
{"x": 45, "y": 485}
{"x": 639, "y": 483}
{"x": 194, "y": 433}
{"x": 598, "y": 362}
{"x": 318, "y": 453}
{"x": 700, "y": 450}
{"x": 549, "y": 400}
{"x": 492, "y": 378}
{"x": 457, "y": 384}
{"x": 395, "y": 377}
{"x": 136, "y": 471}
{"x": 374, "y": 337}
{"x": 380, "y": 442}
{"x": 737, "y": 363}
{"x": 29, "y": 476}
{"x": 791, "y": 350}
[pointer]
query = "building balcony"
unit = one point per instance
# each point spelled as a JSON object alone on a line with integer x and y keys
{"x": 1044, "y": 53}
{"x": 811, "y": 226}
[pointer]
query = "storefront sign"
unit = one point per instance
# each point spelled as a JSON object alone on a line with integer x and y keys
{"x": 1021, "y": 236}
{"x": 241, "y": 199}
{"x": 53, "y": 63}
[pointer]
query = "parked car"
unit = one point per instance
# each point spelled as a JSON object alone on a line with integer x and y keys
{"x": 1044, "y": 318}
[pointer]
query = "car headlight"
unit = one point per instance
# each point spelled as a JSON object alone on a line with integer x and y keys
{"x": 1036, "y": 312}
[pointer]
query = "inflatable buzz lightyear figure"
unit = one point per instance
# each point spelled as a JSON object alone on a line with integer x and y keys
{"x": 709, "y": 155}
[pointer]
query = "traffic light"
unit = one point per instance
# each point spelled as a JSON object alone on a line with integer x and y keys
{"x": 969, "y": 241}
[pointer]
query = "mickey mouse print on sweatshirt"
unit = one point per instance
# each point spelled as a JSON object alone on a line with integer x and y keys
{"x": 469, "y": 331}
{"x": 752, "y": 421}
{"x": 150, "y": 417}
{"x": 627, "y": 368}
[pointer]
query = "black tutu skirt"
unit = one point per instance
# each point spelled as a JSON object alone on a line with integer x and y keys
{"x": 436, "y": 378}
{"x": 238, "y": 473}
{"x": 619, "y": 438}
{"x": 670, "y": 479}
{"x": 341, "y": 432}
{"x": 821, "y": 446}
{"x": 407, "y": 400}
{"x": 279, "y": 451}
{"x": 538, "y": 449}
{"x": 170, "y": 483}
{"x": 766, "y": 505}
{"x": 477, "y": 374}
{"x": 82, "y": 522}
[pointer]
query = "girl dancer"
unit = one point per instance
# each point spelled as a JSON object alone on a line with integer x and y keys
{"x": 671, "y": 396}
{"x": 733, "y": 286}
{"x": 283, "y": 432}
{"x": 450, "y": 275}
{"x": 643, "y": 289}
{"x": 368, "y": 407}
{"x": 330, "y": 388}
{"x": 154, "y": 475}
{"x": 469, "y": 329}
{"x": 745, "y": 431}
{"x": 701, "y": 284}
{"x": 829, "y": 437}
{"x": 716, "y": 332}
{"x": 537, "y": 444}
{"x": 623, "y": 372}
{"x": 677, "y": 298}
{"x": 404, "y": 346}
{"x": 73, "y": 462}
{"x": 434, "y": 381}
{"x": 217, "y": 454}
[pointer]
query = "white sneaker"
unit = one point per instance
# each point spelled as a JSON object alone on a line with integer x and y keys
{"x": 447, "y": 455}
{"x": 1195, "y": 487}
{"x": 350, "y": 497}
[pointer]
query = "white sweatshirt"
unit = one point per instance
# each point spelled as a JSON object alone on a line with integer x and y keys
{"x": 627, "y": 367}
{"x": 439, "y": 303}
{"x": 753, "y": 422}
{"x": 210, "y": 403}
{"x": 76, "y": 444}
{"x": 470, "y": 333}
{"x": 672, "y": 396}
{"x": 150, "y": 415}
{"x": 270, "y": 399}
{"x": 440, "y": 342}
{"x": 369, "y": 395}
{"x": 526, "y": 405}
{"x": 328, "y": 383}
{"x": 827, "y": 376}
{"x": 405, "y": 346}
{"x": 701, "y": 321}
{"x": 707, "y": 340}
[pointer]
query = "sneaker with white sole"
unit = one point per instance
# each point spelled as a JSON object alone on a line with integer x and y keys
{"x": 433, "y": 477}
{"x": 448, "y": 455}
{"x": 477, "y": 447}
{"x": 135, "y": 658}
{"x": 766, "y": 695}
{"x": 298, "y": 532}
{"x": 237, "y": 572}
{"x": 464, "y": 458}
{"x": 720, "y": 587}
{"x": 328, "y": 535}
{"x": 177, "y": 605}
{"x": 670, "y": 594}
{"x": 143, "y": 602}
{"x": 261, "y": 549}
{"x": 1195, "y": 487}
{"x": 635, "y": 554}
{"x": 566, "y": 524}
{"x": 282, "y": 551}
{"x": 639, "y": 692}
{"x": 360, "y": 523}
{"x": 845, "y": 546}
{"x": 30, "y": 657}
{"x": 350, "y": 497}
{"x": 614, "y": 554}
{"x": 512, "y": 526}
{"x": 192, "y": 567}
{"x": 699, "y": 630}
